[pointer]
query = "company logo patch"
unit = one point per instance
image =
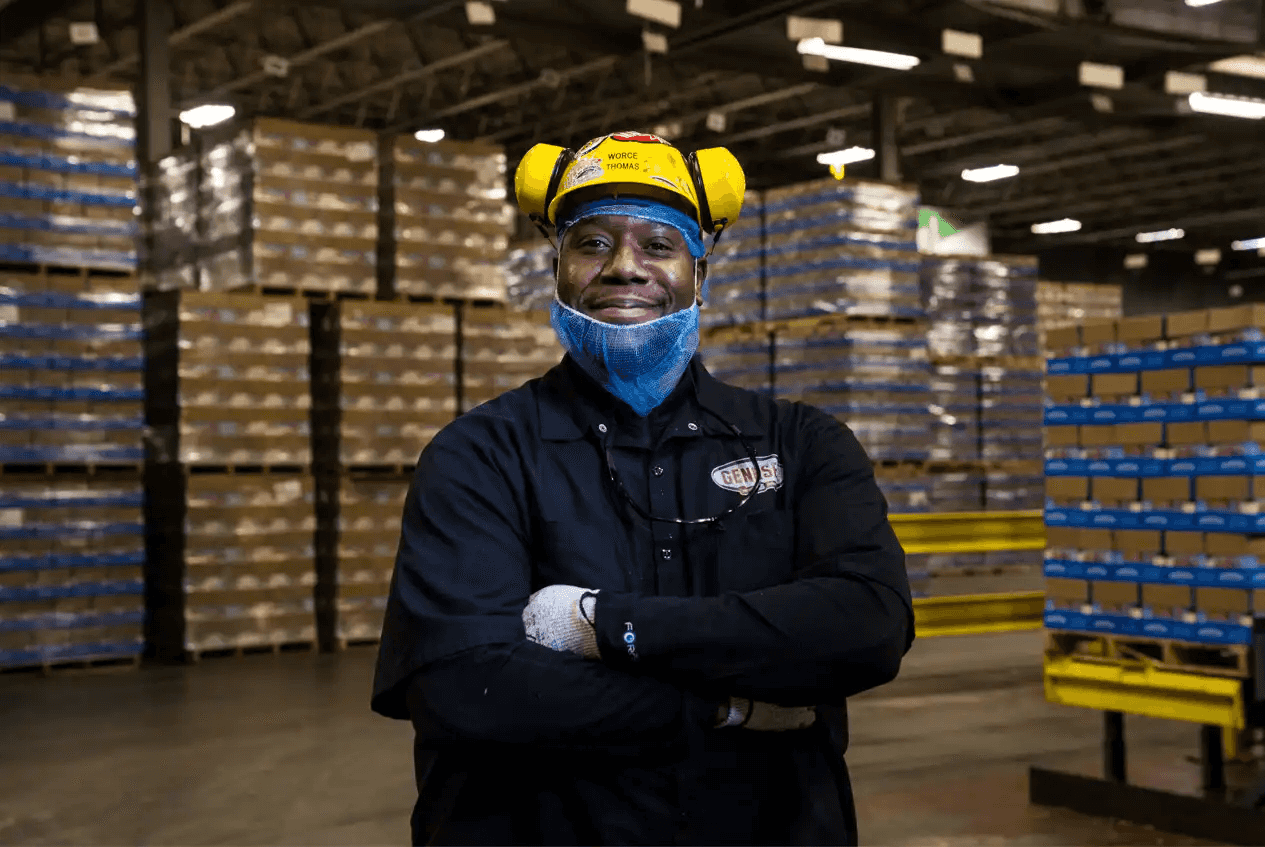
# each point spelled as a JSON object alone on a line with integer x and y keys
{"x": 739, "y": 476}
{"x": 643, "y": 137}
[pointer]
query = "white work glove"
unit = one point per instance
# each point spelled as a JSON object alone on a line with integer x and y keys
{"x": 562, "y": 618}
{"x": 766, "y": 717}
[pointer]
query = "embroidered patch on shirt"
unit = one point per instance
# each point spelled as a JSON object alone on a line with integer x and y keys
{"x": 739, "y": 476}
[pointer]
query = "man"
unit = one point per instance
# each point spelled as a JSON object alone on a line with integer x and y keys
{"x": 631, "y": 601}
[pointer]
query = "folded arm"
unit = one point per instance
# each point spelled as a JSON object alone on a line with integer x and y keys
{"x": 839, "y": 627}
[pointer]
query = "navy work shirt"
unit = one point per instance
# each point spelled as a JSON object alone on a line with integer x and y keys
{"x": 798, "y": 598}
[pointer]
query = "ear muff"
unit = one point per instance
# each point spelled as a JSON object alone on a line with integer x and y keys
{"x": 720, "y": 184}
{"x": 537, "y": 179}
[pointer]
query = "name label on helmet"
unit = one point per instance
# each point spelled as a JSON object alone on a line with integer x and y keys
{"x": 614, "y": 157}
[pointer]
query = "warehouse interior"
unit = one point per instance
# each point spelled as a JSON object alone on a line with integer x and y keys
{"x": 255, "y": 254}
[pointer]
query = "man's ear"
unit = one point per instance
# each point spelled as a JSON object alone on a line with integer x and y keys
{"x": 702, "y": 277}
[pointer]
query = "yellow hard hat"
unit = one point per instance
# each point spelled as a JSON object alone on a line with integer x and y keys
{"x": 709, "y": 183}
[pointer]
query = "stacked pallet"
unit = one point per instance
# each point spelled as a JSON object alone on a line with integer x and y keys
{"x": 529, "y": 277}
{"x": 72, "y": 548}
{"x": 67, "y": 176}
{"x": 735, "y": 277}
{"x": 501, "y": 350}
{"x": 1154, "y": 523}
{"x": 368, "y": 534}
{"x": 446, "y": 220}
{"x": 279, "y": 205}
{"x": 1061, "y": 304}
{"x": 232, "y": 509}
{"x": 841, "y": 247}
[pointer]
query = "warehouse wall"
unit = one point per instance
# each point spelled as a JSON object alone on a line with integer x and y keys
{"x": 1171, "y": 281}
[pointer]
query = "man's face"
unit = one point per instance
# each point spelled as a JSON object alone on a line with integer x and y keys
{"x": 622, "y": 270}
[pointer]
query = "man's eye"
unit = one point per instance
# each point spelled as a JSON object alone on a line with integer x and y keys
{"x": 661, "y": 245}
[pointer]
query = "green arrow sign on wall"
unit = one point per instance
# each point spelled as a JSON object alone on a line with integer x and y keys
{"x": 924, "y": 220}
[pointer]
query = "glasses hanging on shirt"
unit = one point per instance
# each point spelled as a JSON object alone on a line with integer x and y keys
{"x": 636, "y": 507}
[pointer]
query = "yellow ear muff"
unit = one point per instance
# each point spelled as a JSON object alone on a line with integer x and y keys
{"x": 723, "y": 183}
{"x": 537, "y": 179}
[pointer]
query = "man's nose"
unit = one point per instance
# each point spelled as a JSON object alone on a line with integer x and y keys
{"x": 624, "y": 264}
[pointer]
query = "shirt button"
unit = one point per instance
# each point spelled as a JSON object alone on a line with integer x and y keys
{"x": 693, "y": 427}
{"x": 658, "y": 471}
{"x": 601, "y": 427}
{"x": 666, "y": 553}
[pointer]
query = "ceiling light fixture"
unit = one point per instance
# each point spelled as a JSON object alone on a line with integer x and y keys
{"x": 209, "y": 114}
{"x": 1247, "y": 65}
{"x": 1249, "y": 244}
{"x": 990, "y": 173}
{"x": 1054, "y": 227}
{"x": 1198, "y": 3}
{"x": 1231, "y": 107}
{"x": 429, "y": 136}
{"x": 858, "y": 56}
{"x": 845, "y": 157}
{"x": 1160, "y": 235}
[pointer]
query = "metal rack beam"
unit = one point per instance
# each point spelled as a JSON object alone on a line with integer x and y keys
{"x": 970, "y": 532}
{"x": 975, "y": 614}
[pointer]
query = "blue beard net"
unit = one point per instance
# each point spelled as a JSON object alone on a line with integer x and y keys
{"x": 640, "y": 363}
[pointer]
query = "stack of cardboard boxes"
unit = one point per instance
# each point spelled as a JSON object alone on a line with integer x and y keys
{"x": 1062, "y": 304}
{"x": 1153, "y": 437}
{"x": 368, "y": 534}
{"x": 501, "y": 350}
{"x": 735, "y": 277}
{"x": 529, "y": 277}
{"x": 446, "y": 220}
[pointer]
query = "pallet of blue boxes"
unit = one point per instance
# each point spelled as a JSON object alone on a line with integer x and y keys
{"x": 72, "y": 546}
{"x": 1155, "y": 479}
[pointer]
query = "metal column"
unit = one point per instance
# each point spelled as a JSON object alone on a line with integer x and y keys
{"x": 1113, "y": 749}
{"x": 886, "y": 151}
{"x": 153, "y": 88}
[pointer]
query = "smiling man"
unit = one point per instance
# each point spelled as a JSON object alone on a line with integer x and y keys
{"x": 630, "y": 601}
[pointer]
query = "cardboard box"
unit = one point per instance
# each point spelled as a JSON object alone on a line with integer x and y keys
{"x": 1179, "y": 326}
{"x": 1139, "y": 434}
{"x": 1067, "y": 489}
{"x": 1115, "y": 489}
{"x": 1166, "y": 489}
{"x": 1062, "y": 436}
{"x": 1166, "y": 601}
{"x": 1114, "y": 385}
{"x": 1096, "y": 539}
{"x": 1062, "y": 538}
{"x": 1184, "y": 543}
{"x": 1096, "y": 333}
{"x": 1228, "y": 377}
{"x": 1142, "y": 329}
{"x": 1115, "y": 596}
{"x": 1166, "y": 382}
{"x": 1223, "y": 488}
{"x": 1098, "y": 435}
{"x": 1068, "y": 387}
{"x": 1138, "y": 545}
{"x": 1235, "y": 432}
{"x": 1234, "y": 318}
{"x": 1186, "y": 432}
{"x": 1227, "y": 604}
{"x": 1067, "y": 593}
{"x": 1228, "y": 545}
{"x": 1063, "y": 340}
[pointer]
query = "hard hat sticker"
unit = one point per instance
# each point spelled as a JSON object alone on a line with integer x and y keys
{"x": 643, "y": 137}
{"x": 584, "y": 170}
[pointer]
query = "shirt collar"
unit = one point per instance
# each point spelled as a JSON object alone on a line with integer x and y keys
{"x": 572, "y": 404}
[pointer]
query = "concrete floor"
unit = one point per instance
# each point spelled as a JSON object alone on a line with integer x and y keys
{"x": 282, "y": 750}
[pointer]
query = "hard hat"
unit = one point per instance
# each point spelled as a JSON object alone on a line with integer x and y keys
{"x": 709, "y": 184}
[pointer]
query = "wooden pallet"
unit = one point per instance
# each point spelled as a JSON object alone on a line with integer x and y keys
{"x": 806, "y": 327}
{"x": 380, "y": 471}
{"x": 1027, "y": 363}
{"x": 106, "y": 664}
{"x": 1233, "y": 660}
{"x": 449, "y": 300}
{"x": 245, "y": 470}
{"x": 46, "y": 269}
{"x": 351, "y": 643}
{"x": 107, "y": 471}
{"x": 239, "y": 651}
{"x": 299, "y": 291}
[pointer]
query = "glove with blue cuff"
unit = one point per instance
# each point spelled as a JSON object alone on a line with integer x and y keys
{"x": 563, "y": 618}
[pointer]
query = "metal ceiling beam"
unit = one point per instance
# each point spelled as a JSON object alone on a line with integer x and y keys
{"x": 1038, "y": 125}
{"x": 1044, "y": 152}
{"x": 1170, "y": 221}
{"x": 860, "y": 110}
{"x": 302, "y": 58}
{"x": 405, "y": 78}
{"x": 185, "y": 33}
{"x": 604, "y": 63}
{"x": 18, "y": 17}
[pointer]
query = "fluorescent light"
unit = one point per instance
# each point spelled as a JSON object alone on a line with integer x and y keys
{"x": 1160, "y": 235}
{"x": 1053, "y": 227}
{"x": 1135, "y": 261}
{"x": 1253, "y": 66}
{"x": 1232, "y": 107}
{"x": 856, "y": 55}
{"x": 1249, "y": 244}
{"x": 210, "y": 114}
{"x": 845, "y": 157}
{"x": 990, "y": 173}
{"x": 429, "y": 136}
{"x": 1201, "y": 2}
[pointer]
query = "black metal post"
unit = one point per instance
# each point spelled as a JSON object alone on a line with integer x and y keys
{"x": 1211, "y": 759}
{"x": 1113, "y": 750}
{"x": 886, "y": 150}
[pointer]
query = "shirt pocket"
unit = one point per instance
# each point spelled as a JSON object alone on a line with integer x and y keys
{"x": 757, "y": 550}
{"x": 579, "y": 552}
